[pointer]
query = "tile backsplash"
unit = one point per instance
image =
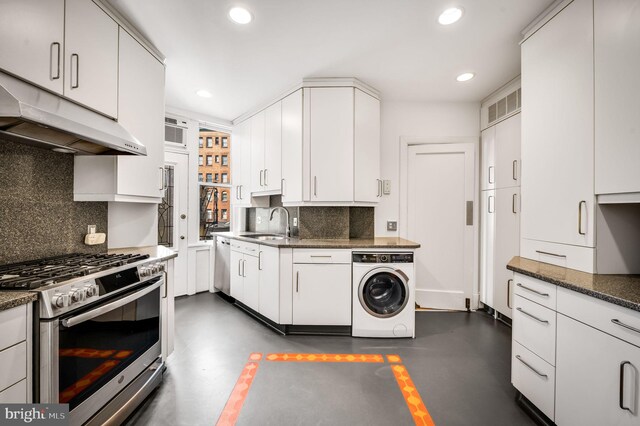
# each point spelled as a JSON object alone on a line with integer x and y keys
{"x": 38, "y": 217}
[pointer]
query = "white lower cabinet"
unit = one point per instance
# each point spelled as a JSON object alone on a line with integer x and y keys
{"x": 15, "y": 355}
{"x": 535, "y": 327}
{"x": 534, "y": 378}
{"x": 251, "y": 278}
{"x": 269, "y": 283}
{"x": 237, "y": 281}
{"x": 322, "y": 294}
{"x": 598, "y": 377}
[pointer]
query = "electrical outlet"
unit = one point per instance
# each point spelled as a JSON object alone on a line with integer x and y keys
{"x": 295, "y": 221}
{"x": 392, "y": 225}
{"x": 386, "y": 187}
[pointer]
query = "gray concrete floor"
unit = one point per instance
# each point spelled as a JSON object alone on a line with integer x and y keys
{"x": 459, "y": 362}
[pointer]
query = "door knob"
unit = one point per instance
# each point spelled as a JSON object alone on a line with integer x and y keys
{"x": 182, "y": 237}
{"x": 183, "y": 216}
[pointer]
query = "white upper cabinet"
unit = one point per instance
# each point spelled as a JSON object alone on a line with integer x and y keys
{"x": 266, "y": 147}
{"x": 368, "y": 184}
{"x": 488, "y": 159}
{"x": 292, "y": 148}
{"x": 557, "y": 129}
{"x": 32, "y": 34}
{"x": 617, "y": 90}
{"x": 241, "y": 165}
{"x": 257, "y": 151}
{"x": 507, "y": 152}
{"x": 328, "y": 141}
{"x": 91, "y": 57}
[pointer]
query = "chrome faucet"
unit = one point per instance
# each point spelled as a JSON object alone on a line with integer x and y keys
{"x": 273, "y": 210}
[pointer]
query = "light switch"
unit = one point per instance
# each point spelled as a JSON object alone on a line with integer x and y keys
{"x": 392, "y": 225}
{"x": 386, "y": 187}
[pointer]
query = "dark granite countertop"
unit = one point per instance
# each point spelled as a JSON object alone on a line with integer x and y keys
{"x": 11, "y": 299}
{"x": 623, "y": 290}
{"x": 377, "y": 242}
{"x": 159, "y": 253}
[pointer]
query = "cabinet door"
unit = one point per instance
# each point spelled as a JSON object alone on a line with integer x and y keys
{"x": 557, "y": 129}
{"x": 507, "y": 152}
{"x": 241, "y": 164}
{"x": 273, "y": 147}
{"x": 506, "y": 245}
{"x": 256, "y": 152}
{"x": 597, "y": 377}
{"x": 368, "y": 187}
{"x": 32, "y": 34}
{"x": 91, "y": 57}
{"x": 251, "y": 292}
{"x": 487, "y": 241}
{"x": 237, "y": 281}
{"x": 487, "y": 159}
{"x": 331, "y": 144}
{"x": 322, "y": 294}
{"x": 141, "y": 111}
{"x": 617, "y": 90}
{"x": 292, "y": 148}
{"x": 269, "y": 287}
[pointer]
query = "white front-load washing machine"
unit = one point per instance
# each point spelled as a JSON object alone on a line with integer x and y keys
{"x": 383, "y": 294}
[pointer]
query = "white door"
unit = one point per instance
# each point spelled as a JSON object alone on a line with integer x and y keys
{"x": 177, "y": 194}
{"x": 292, "y": 148}
{"x": 368, "y": 187}
{"x": 440, "y": 189}
{"x": 32, "y": 33}
{"x": 321, "y": 294}
{"x": 273, "y": 147}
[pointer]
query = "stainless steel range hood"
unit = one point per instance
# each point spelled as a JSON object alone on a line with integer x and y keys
{"x": 36, "y": 117}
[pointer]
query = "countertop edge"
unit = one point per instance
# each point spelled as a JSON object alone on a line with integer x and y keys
{"x": 328, "y": 245}
{"x": 569, "y": 286}
{"x": 15, "y": 299}
{"x": 152, "y": 251}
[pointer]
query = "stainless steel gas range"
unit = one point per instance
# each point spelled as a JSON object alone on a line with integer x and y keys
{"x": 97, "y": 331}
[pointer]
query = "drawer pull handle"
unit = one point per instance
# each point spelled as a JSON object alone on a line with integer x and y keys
{"x": 621, "y": 324}
{"x": 531, "y": 368}
{"x": 532, "y": 316}
{"x": 551, "y": 254}
{"x": 322, "y": 256}
{"x": 532, "y": 290}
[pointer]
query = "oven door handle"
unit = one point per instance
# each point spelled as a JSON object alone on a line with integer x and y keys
{"x": 79, "y": 319}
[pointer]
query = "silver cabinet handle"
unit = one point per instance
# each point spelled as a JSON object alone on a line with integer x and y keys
{"x": 322, "y": 256}
{"x": 315, "y": 186}
{"x": 240, "y": 267}
{"x": 514, "y": 169}
{"x": 237, "y": 192}
{"x": 57, "y": 66}
{"x": 261, "y": 177}
{"x": 621, "y": 401}
{"x": 533, "y": 291}
{"x": 240, "y": 188}
{"x": 509, "y": 282}
{"x": 379, "y": 187}
{"x": 532, "y": 316}
{"x": 489, "y": 204}
{"x": 282, "y": 187}
{"x": 530, "y": 367}
{"x": 623, "y": 325}
{"x": 514, "y": 197}
{"x": 580, "y": 217}
{"x": 551, "y": 254}
{"x": 260, "y": 261}
{"x": 77, "y": 68}
{"x": 491, "y": 177}
{"x": 297, "y": 281}
{"x": 244, "y": 268}
{"x": 266, "y": 177}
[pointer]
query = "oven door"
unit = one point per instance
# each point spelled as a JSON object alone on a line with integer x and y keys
{"x": 101, "y": 349}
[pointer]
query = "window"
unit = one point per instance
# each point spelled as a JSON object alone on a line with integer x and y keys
{"x": 208, "y": 177}
{"x": 224, "y": 214}
{"x": 199, "y": 142}
{"x": 209, "y": 214}
{"x": 217, "y": 177}
{"x": 209, "y": 143}
{"x": 199, "y": 177}
{"x": 225, "y": 178}
{"x": 225, "y": 160}
{"x": 217, "y": 140}
{"x": 200, "y": 160}
{"x": 225, "y": 142}
{"x": 224, "y": 196}
{"x": 217, "y": 158}
{"x": 209, "y": 160}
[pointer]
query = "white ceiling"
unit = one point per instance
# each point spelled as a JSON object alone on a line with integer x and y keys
{"x": 396, "y": 46}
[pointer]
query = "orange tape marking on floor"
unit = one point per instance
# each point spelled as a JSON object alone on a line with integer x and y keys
{"x": 231, "y": 410}
{"x": 256, "y": 356}
{"x": 411, "y": 396}
{"x": 325, "y": 357}
{"x": 69, "y": 393}
{"x": 394, "y": 359}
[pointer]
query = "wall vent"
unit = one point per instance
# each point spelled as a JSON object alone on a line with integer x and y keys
{"x": 505, "y": 106}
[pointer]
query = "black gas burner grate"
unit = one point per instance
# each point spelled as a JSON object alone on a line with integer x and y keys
{"x": 39, "y": 273}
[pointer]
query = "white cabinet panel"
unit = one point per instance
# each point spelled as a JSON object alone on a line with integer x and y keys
{"x": 241, "y": 165}
{"x": 368, "y": 186}
{"x": 251, "y": 289}
{"x": 534, "y": 378}
{"x": 257, "y": 123}
{"x": 91, "y": 57}
{"x": 541, "y": 292}
{"x": 237, "y": 282}
{"x": 506, "y": 246}
{"x": 322, "y": 294}
{"x": 557, "y": 129}
{"x": 13, "y": 326}
{"x": 273, "y": 148}
{"x": 488, "y": 159}
{"x": 16, "y": 394}
{"x": 507, "y": 152}
{"x": 14, "y": 365}
{"x": 487, "y": 251}
{"x": 292, "y": 148}
{"x": 269, "y": 287}
{"x": 617, "y": 90}
{"x": 331, "y": 144}
{"x": 32, "y": 47}
{"x": 534, "y": 327}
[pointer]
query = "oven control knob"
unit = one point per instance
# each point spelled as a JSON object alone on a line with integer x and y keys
{"x": 161, "y": 267}
{"x": 90, "y": 290}
{"x": 60, "y": 301}
{"x": 76, "y": 295}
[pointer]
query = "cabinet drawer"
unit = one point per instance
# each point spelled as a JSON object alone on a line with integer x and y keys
{"x": 16, "y": 394}
{"x": 535, "y": 378}
{"x": 321, "y": 256}
{"x": 567, "y": 256}
{"x": 534, "y": 327}
{"x": 13, "y": 326}
{"x": 14, "y": 365}
{"x": 613, "y": 319}
{"x": 245, "y": 248}
{"x": 535, "y": 290}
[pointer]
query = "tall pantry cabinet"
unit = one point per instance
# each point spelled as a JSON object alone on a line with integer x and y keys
{"x": 500, "y": 205}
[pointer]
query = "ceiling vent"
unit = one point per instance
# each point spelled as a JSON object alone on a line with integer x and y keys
{"x": 175, "y": 131}
{"x": 505, "y": 106}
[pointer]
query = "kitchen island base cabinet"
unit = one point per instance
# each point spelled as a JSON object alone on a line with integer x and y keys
{"x": 598, "y": 377}
{"x": 269, "y": 283}
{"x": 322, "y": 294}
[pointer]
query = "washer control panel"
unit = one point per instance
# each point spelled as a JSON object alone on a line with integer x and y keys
{"x": 382, "y": 257}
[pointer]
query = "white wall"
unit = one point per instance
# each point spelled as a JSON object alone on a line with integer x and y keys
{"x": 416, "y": 119}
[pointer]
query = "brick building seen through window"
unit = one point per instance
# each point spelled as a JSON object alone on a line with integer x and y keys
{"x": 214, "y": 168}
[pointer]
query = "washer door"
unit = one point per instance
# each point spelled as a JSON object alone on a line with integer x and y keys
{"x": 384, "y": 292}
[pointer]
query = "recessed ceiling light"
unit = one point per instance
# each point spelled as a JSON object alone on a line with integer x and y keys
{"x": 203, "y": 93}
{"x": 240, "y": 15}
{"x": 465, "y": 76}
{"x": 450, "y": 16}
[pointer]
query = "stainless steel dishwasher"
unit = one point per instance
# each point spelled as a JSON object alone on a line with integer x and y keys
{"x": 222, "y": 277}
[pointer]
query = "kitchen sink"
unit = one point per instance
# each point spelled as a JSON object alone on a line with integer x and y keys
{"x": 266, "y": 237}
